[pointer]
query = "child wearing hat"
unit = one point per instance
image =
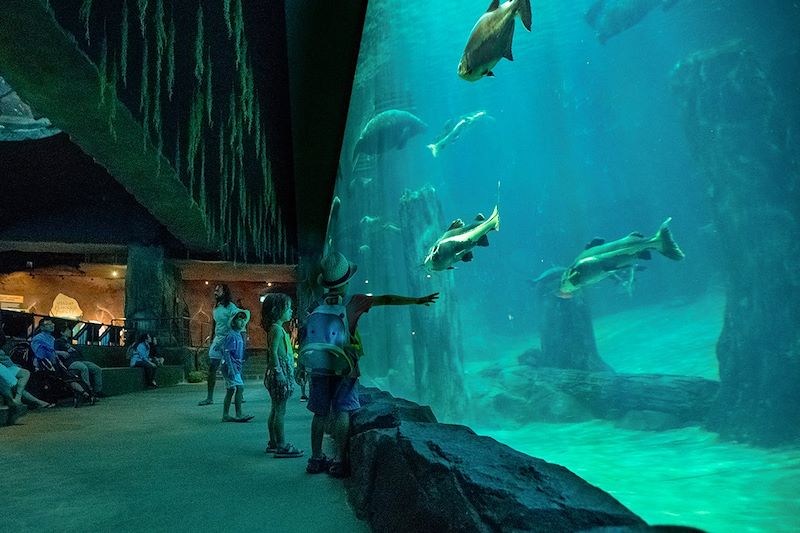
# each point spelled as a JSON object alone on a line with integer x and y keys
{"x": 333, "y": 395}
{"x": 232, "y": 363}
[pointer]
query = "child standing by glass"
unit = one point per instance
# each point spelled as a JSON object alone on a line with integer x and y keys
{"x": 232, "y": 363}
{"x": 279, "y": 377}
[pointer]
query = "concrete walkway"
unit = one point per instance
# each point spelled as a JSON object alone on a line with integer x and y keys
{"x": 155, "y": 461}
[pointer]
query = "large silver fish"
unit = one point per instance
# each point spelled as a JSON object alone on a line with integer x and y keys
{"x": 453, "y": 130}
{"x": 610, "y": 17}
{"x": 388, "y": 130}
{"x": 457, "y": 242}
{"x": 490, "y": 39}
{"x": 601, "y": 259}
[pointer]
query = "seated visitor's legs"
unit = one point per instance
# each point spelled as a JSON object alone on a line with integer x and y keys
{"x": 95, "y": 376}
{"x": 149, "y": 373}
{"x": 22, "y": 381}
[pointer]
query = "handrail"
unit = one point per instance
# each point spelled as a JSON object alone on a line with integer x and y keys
{"x": 175, "y": 331}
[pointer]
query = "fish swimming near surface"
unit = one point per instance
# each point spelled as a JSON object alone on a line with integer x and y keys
{"x": 457, "y": 242}
{"x": 611, "y": 17}
{"x": 491, "y": 37}
{"x": 453, "y": 130}
{"x": 387, "y": 131}
{"x": 601, "y": 260}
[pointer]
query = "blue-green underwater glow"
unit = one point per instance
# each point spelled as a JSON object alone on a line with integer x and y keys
{"x": 589, "y": 135}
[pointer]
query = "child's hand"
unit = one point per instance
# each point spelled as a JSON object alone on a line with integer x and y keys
{"x": 427, "y": 300}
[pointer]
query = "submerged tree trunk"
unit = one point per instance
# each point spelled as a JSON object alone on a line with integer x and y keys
{"x": 436, "y": 330}
{"x": 568, "y": 335}
{"x": 739, "y": 130}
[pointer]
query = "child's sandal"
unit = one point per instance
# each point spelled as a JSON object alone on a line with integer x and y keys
{"x": 288, "y": 451}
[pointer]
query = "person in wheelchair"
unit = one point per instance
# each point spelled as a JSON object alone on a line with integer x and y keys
{"x": 90, "y": 373}
{"x": 47, "y": 359}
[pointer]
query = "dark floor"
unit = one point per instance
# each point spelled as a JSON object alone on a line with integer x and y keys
{"x": 155, "y": 461}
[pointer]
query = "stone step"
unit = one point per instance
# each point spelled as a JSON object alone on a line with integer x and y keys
{"x": 124, "y": 380}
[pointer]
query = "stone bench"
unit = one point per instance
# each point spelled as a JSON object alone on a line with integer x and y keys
{"x": 122, "y": 380}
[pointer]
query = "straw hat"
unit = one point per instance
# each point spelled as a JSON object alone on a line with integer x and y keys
{"x": 336, "y": 270}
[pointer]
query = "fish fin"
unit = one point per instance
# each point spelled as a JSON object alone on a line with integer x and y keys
{"x": 508, "y": 54}
{"x": 597, "y": 241}
{"x": 525, "y": 13}
{"x": 494, "y": 5}
{"x": 591, "y": 14}
{"x": 451, "y": 268}
{"x": 489, "y": 74}
{"x": 636, "y": 234}
{"x": 457, "y": 223}
{"x": 483, "y": 241}
{"x": 644, "y": 254}
{"x": 480, "y": 216}
{"x": 669, "y": 248}
{"x": 434, "y": 150}
{"x": 467, "y": 257}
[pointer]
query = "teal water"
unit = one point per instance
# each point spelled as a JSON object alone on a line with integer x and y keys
{"x": 683, "y": 476}
{"x": 586, "y": 140}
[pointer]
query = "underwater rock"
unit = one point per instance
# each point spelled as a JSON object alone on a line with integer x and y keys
{"x": 424, "y": 477}
{"x": 643, "y": 529}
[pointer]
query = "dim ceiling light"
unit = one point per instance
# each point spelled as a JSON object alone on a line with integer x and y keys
{"x": 206, "y": 283}
{"x": 114, "y": 273}
{"x": 269, "y": 284}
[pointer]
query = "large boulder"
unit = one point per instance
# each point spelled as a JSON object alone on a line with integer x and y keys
{"x": 423, "y": 476}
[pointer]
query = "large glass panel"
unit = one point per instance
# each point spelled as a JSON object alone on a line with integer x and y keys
{"x": 613, "y": 118}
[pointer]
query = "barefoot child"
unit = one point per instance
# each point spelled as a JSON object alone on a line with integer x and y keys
{"x": 232, "y": 362}
{"x": 279, "y": 378}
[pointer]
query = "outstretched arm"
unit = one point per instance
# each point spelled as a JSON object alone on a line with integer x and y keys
{"x": 393, "y": 299}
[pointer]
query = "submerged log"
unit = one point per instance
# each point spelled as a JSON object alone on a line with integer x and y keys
{"x": 648, "y": 401}
{"x": 740, "y": 131}
{"x": 436, "y": 338}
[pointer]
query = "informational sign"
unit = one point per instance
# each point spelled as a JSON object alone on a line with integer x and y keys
{"x": 11, "y": 301}
{"x": 66, "y": 307}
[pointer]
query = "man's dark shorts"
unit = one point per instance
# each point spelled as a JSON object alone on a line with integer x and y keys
{"x": 332, "y": 393}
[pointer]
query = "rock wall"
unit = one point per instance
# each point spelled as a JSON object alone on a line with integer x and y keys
{"x": 410, "y": 473}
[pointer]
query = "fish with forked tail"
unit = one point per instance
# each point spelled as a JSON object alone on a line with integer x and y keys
{"x": 611, "y": 17}
{"x": 457, "y": 242}
{"x": 453, "y": 130}
{"x": 601, "y": 260}
{"x": 491, "y": 37}
{"x": 386, "y": 131}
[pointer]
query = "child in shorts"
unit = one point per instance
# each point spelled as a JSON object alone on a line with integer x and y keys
{"x": 279, "y": 377}
{"x": 232, "y": 363}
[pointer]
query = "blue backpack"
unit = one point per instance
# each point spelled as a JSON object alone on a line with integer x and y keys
{"x": 326, "y": 335}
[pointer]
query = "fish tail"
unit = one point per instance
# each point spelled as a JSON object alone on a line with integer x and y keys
{"x": 524, "y": 10}
{"x": 666, "y": 244}
{"x": 495, "y": 218}
{"x": 434, "y": 149}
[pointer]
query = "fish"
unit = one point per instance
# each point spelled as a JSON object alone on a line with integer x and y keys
{"x": 457, "y": 242}
{"x": 453, "y": 130}
{"x": 600, "y": 259}
{"x": 389, "y": 130}
{"x": 491, "y": 37}
{"x": 612, "y": 17}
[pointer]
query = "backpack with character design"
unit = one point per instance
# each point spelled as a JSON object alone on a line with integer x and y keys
{"x": 325, "y": 345}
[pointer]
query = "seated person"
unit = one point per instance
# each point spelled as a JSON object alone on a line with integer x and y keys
{"x": 13, "y": 381}
{"x": 140, "y": 356}
{"x": 90, "y": 373}
{"x": 43, "y": 348}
